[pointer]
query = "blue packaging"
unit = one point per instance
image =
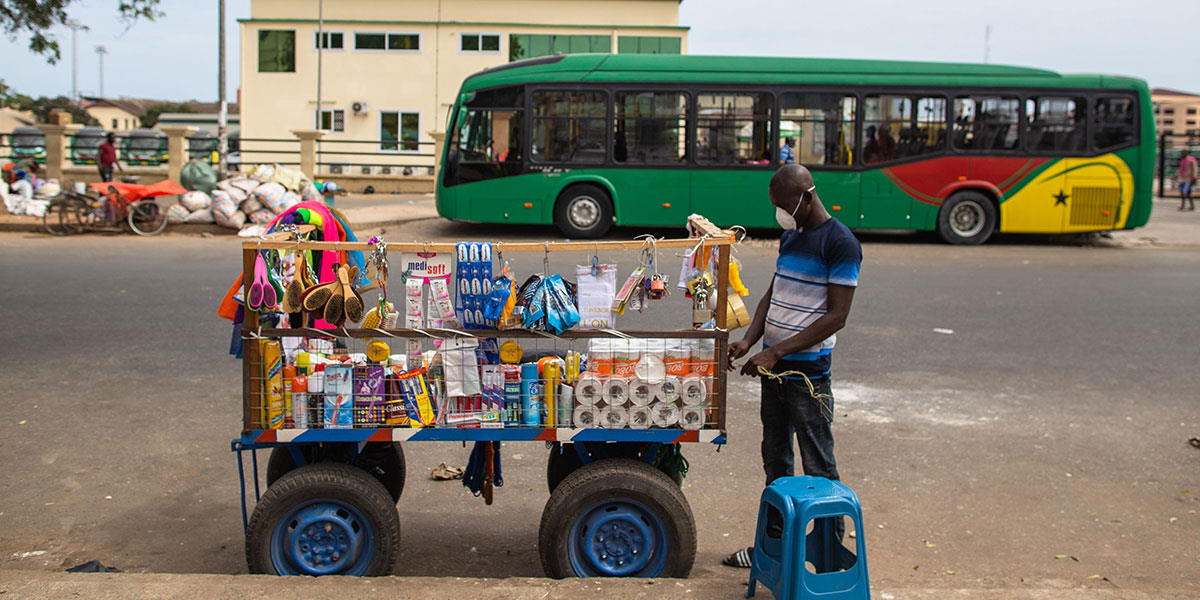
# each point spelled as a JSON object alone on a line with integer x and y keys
{"x": 531, "y": 413}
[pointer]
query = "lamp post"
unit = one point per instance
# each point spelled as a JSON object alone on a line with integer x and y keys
{"x": 100, "y": 52}
{"x": 223, "y": 109}
{"x": 75, "y": 26}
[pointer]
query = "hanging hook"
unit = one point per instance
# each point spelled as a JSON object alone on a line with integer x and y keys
{"x": 546, "y": 259}
{"x": 595, "y": 260}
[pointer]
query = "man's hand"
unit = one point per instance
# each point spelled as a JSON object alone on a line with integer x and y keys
{"x": 765, "y": 359}
{"x": 738, "y": 350}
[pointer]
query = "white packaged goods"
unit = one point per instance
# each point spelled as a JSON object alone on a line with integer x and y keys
{"x": 261, "y": 216}
{"x": 177, "y": 213}
{"x": 292, "y": 179}
{"x": 263, "y": 173}
{"x": 613, "y": 417}
{"x": 271, "y": 196}
{"x": 640, "y": 417}
{"x": 616, "y": 391}
{"x": 664, "y": 414}
{"x": 693, "y": 391}
{"x": 195, "y": 201}
{"x": 251, "y": 205}
{"x": 595, "y": 296}
{"x": 642, "y": 393}
{"x": 589, "y": 389}
{"x": 586, "y": 416}
{"x": 203, "y": 215}
{"x": 691, "y": 417}
{"x": 670, "y": 389}
{"x": 224, "y": 205}
{"x": 233, "y": 221}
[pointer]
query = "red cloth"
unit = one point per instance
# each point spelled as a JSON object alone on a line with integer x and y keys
{"x": 108, "y": 155}
{"x": 134, "y": 192}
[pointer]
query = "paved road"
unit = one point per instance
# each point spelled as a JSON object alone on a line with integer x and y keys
{"x": 1052, "y": 421}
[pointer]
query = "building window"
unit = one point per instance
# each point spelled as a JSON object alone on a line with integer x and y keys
{"x": 820, "y": 128}
{"x": 1055, "y": 124}
{"x": 986, "y": 123}
{"x": 733, "y": 129}
{"x": 115, "y": 124}
{"x": 898, "y": 127}
{"x": 1191, "y": 111}
{"x": 399, "y": 131}
{"x": 329, "y": 40}
{"x": 521, "y": 45}
{"x": 479, "y": 42}
{"x": 1168, "y": 121}
{"x": 401, "y": 42}
{"x": 332, "y": 120}
{"x": 568, "y": 126}
{"x": 648, "y": 45}
{"x": 1112, "y": 122}
{"x": 1191, "y": 122}
{"x": 1169, "y": 111}
{"x": 276, "y": 51}
{"x": 651, "y": 127}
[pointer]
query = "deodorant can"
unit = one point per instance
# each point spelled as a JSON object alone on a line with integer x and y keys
{"x": 300, "y": 406}
{"x": 531, "y": 413}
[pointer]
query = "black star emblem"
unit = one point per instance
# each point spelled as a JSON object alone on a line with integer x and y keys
{"x": 1060, "y": 198}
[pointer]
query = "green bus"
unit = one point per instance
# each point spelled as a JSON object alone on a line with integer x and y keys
{"x": 589, "y": 141}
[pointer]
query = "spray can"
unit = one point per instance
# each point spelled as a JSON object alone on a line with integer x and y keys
{"x": 289, "y": 373}
{"x": 531, "y": 414}
{"x": 512, "y": 394}
{"x": 300, "y": 401}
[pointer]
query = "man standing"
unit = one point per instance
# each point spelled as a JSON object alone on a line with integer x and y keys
{"x": 807, "y": 302}
{"x": 106, "y": 158}
{"x": 787, "y": 154}
{"x": 1186, "y": 178}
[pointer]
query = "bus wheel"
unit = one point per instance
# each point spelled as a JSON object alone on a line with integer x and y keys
{"x": 967, "y": 218}
{"x": 583, "y": 211}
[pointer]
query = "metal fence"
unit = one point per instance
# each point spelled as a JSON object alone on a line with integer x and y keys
{"x": 1170, "y": 147}
{"x": 395, "y": 158}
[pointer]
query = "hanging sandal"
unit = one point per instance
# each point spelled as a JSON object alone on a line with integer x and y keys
{"x": 740, "y": 559}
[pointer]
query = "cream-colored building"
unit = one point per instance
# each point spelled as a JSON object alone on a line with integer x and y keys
{"x": 115, "y": 114}
{"x": 390, "y": 70}
{"x": 1175, "y": 112}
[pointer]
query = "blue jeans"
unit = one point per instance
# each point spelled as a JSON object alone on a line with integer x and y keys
{"x": 788, "y": 409}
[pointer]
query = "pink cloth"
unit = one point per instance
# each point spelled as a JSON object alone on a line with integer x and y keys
{"x": 329, "y": 233}
{"x": 1187, "y": 169}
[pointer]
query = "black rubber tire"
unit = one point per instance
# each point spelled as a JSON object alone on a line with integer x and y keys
{"x": 986, "y": 210}
{"x": 617, "y": 478}
{"x": 382, "y": 460}
{"x": 146, "y": 217}
{"x": 562, "y": 462}
{"x": 584, "y": 192}
{"x": 325, "y": 480}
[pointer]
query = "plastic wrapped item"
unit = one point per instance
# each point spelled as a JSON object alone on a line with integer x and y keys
{"x": 665, "y": 414}
{"x": 597, "y": 284}
{"x": 589, "y": 390}
{"x": 251, "y": 205}
{"x": 616, "y": 391}
{"x": 461, "y": 367}
{"x": 585, "y": 416}
{"x": 271, "y": 196}
{"x": 600, "y": 356}
{"x": 642, "y": 393}
{"x": 692, "y": 391}
{"x": 640, "y": 417}
{"x": 176, "y": 213}
{"x": 195, "y": 201}
{"x": 289, "y": 178}
{"x": 233, "y": 221}
{"x": 261, "y": 216}
{"x": 691, "y": 417}
{"x": 670, "y": 389}
{"x": 204, "y": 215}
{"x": 263, "y": 173}
{"x": 614, "y": 417}
{"x": 223, "y": 203}
{"x": 197, "y": 175}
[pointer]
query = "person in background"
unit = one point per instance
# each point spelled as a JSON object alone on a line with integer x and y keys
{"x": 806, "y": 304}
{"x": 787, "y": 153}
{"x": 106, "y": 158}
{"x": 1186, "y": 178}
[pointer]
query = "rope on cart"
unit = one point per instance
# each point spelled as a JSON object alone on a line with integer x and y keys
{"x": 812, "y": 391}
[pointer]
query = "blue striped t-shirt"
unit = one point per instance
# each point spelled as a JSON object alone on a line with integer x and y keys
{"x": 809, "y": 262}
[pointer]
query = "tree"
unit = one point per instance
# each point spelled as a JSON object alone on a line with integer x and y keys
{"x": 150, "y": 117}
{"x": 42, "y": 106}
{"x": 35, "y": 18}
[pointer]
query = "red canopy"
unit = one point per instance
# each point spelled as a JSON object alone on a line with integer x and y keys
{"x": 135, "y": 191}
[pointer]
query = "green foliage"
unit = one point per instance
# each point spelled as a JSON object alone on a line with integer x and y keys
{"x": 42, "y": 106}
{"x": 35, "y": 18}
{"x": 150, "y": 117}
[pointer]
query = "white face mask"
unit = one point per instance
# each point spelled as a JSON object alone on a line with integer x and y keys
{"x": 787, "y": 220}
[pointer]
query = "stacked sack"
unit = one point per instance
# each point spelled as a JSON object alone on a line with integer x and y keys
{"x": 255, "y": 199}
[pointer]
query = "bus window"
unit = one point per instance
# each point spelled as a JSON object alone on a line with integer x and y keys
{"x": 568, "y": 126}
{"x": 733, "y": 129}
{"x": 1112, "y": 122}
{"x": 986, "y": 123}
{"x": 650, "y": 128}
{"x": 485, "y": 142}
{"x": 1055, "y": 124}
{"x": 897, "y": 127}
{"x": 822, "y": 126}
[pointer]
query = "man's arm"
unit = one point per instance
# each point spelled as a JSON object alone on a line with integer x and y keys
{"x": 838, "y": 309}
{"x": 755, "y": 331}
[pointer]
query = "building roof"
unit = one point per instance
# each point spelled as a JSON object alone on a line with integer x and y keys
{"x": 1171, "y": 92}
{"x": 138, "y": 106}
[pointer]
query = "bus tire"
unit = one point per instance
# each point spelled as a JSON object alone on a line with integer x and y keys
{"x": 967, "y": 218}
{"x": 584, "y": 211}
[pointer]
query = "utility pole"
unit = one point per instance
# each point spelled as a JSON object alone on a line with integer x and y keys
{"x": 75, "y": 27}
{"x": 100, "y": 52}
{"x": 223, "y": 109}
{"x": 320, "y": 107}
{"x": 987, "y": 44}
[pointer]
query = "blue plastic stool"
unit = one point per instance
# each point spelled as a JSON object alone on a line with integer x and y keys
{"x": 779, "y": 562}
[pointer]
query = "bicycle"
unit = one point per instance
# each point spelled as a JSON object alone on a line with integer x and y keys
{"x": 72, "y": 212}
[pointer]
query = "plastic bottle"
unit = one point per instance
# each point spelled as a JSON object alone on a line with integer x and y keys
{"x": 531, "y": 413}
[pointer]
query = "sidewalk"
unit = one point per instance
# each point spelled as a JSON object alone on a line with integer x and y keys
{"x": 1168, "y": 227}
{"x": 36, "y": 585}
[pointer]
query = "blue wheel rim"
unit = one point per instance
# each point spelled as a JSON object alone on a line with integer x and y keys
{"x": 618, "y": 538}
{"x": 322, "y": 537}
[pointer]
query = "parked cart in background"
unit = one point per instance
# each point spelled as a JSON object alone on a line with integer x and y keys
{"x": 479, "y": 357}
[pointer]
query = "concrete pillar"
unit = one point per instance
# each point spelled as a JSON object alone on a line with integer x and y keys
{"x": 177, "y": 136}
{"x": 308, "y": 150}
{"x": 57, "y": 154}
{"x": 439, "y": 143}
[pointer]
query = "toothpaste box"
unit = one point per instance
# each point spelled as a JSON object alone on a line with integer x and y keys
{"x": 338, "y": 412}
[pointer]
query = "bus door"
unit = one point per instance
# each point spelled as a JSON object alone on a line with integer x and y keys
{"x": 817, "y": 129}
{"x": 486, "y": 147}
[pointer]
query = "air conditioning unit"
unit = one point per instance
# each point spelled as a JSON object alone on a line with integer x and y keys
{"x": 337, "y": 169}
{"x": 366, "y": 170}
{"x": 385, "y": 170}
{"x": 359, "y": 108}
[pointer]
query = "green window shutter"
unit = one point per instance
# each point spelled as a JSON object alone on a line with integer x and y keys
{"x": 276, "y": 51}
{"x": 601, "y": 44}
{"x": 539, "y": 45}
{"x": 670, "y": 45}
{"x": 409, "y": 130}
{"x": 627, "y": 45}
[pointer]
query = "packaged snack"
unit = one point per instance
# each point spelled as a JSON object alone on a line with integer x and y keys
{"x": 368, "y": 395}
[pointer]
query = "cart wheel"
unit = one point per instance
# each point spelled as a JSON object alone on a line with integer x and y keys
{"x": 324, "y": 519}
{"x": 617, "y": 518}
{"x": 564, "y": 460}
{"x": 382, "y": 460}
{"x": 146, "y": 217}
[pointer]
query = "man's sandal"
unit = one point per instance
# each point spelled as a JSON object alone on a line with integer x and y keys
{"x": 740, "y": 559}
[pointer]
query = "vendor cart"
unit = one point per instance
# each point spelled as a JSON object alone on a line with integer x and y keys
{"x": 616, "y": 507}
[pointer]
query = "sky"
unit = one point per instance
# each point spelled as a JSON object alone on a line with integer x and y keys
{"x": 175, "y": 58}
